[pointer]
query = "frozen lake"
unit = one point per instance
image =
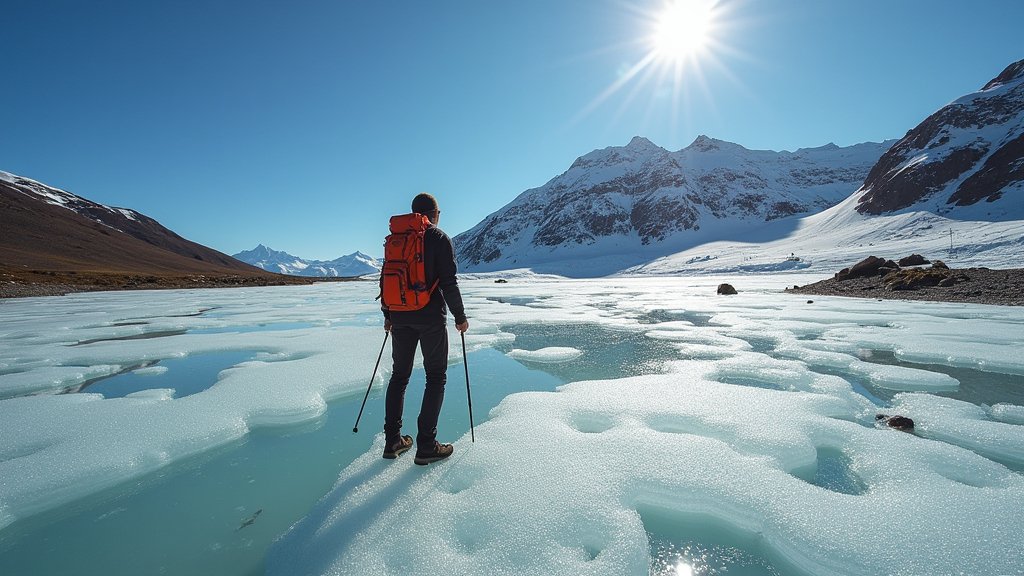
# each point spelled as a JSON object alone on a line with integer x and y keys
{"x": 623, "y": 426}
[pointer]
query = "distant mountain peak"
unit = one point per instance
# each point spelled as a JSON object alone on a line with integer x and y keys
{"x": 829, "y": 146}
{"x": 641, "y": 143}
{"x": 705, "y": 143}
{"x": 355, "y": 264}
{"x": 703, "y": 140}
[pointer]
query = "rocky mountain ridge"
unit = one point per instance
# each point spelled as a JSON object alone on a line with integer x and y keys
{"x": 968, "y": 153}
{"x": 643, "y": 197}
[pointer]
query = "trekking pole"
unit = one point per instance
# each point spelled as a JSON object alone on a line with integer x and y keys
{"x": 465, "y": 361}
{"x": 355, "y": 428}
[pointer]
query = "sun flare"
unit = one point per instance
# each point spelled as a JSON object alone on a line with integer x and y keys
{"x": 683, "y": 29}
{"x": 682, "y": 41}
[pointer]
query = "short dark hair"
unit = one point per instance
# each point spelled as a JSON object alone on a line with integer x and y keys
{"x": 424, "y": 204}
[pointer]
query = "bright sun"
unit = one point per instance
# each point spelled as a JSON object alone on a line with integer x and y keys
{"x": 684, "y": 39}
{"x": 683, "y": 29}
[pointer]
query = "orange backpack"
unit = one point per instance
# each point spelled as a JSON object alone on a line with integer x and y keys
{"x": 404, "y": 281}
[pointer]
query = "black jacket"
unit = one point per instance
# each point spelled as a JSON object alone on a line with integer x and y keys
{"x": 438, "y": 264}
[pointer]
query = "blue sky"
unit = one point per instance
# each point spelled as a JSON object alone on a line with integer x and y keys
{"x": 304, "y": 125}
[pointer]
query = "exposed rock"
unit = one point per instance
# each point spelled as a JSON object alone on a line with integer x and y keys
{"x": 940, "y": 264}
{"x": 914, "y": 278}
{"x": 901, "y": 423}
{"x": 866, "y": 267}
{"x": 888, "y": 267}
{"x": 501, "y": 281}
{"x": 726, "y": 289}
{"x": 937, "y": 283}
{"x": 1002, "y": 167}
{"x": 912, "y": 260}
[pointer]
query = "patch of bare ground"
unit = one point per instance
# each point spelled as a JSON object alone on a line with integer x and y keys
{"x": 932, "y": 281}
{"x": 25, "y": 283}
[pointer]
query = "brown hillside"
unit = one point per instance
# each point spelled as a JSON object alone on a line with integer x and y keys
{"x": 81, "y": 242}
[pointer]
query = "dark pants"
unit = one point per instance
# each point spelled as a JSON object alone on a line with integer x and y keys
{"x": 433, "y": 341}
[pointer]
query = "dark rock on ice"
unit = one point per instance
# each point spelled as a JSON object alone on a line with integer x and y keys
{"x": 901, "y": 423}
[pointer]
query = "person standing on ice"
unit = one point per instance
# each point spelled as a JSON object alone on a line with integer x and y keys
{"x": 418, "y": 286}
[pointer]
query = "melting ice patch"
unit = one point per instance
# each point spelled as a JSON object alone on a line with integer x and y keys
{"x": 679, "y": 444}
{"x": 549, "y": 355}
{"x": 151, "y": 371}
{"x": 1008, "y": 413}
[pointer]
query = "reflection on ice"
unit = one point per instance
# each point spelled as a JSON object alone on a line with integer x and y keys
{"x": 678, "y": 556}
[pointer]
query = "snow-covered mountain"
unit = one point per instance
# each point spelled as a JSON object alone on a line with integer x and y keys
{"x": 964, "y": 161}
{"x": 952, "y": 188}
{"x": 355, "y": 264}
{"x": 621, "y": 206}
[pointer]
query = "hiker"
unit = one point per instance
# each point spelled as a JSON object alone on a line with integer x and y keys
{"x": 425, "y": 326}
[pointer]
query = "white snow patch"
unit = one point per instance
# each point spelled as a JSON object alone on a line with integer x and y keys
{"x": 549, "y": 355}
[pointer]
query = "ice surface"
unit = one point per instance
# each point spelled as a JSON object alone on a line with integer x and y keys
{"x": 153, "y": 394}
{"x": 1008, "y": 413}
{"x": 549, "y": 355}
{"x": 151, "y": 371}
{"x": 47, "y": 378}
{"x": 93, "y": 443}
{"x": 755, "y": 427}
{"x": 677, "y": 443}
{"x": 730, "y": 434}
{"x": 963, "y": 424}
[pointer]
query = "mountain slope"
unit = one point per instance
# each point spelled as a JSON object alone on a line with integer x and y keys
{"x": 970, "y": 153}
{"x": 48, "y": 229}
{"x": 951, "y": 189}
{"x": 621, "y": 206}
{"x": 352, "y": 265}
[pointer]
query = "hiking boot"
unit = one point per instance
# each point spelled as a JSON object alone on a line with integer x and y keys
{"x": 398, "y": 448}
{"x": 441, "y": 451}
